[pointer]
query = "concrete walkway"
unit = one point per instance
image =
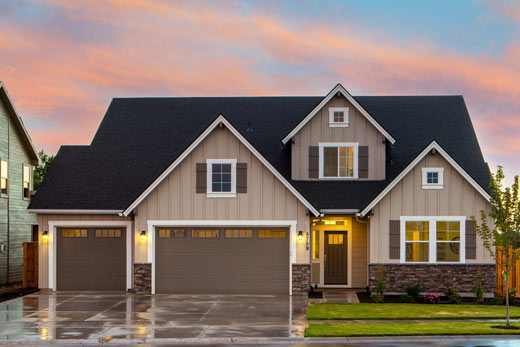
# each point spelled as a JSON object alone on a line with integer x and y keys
{"x": 105, "y": 317}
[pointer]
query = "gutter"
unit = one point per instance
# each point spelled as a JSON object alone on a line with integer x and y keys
{"x": 72, "y": 211}
{"x": 339, "y": 211}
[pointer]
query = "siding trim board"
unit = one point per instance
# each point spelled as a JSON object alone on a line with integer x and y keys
{"x": 338, "y": 89}
{"x": 152, "y": 224}
{"x": 417, "y": 160}
{"x": 219, "y": 120}
{"x": 52, "y": 246}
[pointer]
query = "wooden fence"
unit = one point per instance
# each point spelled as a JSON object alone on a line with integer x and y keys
{"x": 514, "y": 276}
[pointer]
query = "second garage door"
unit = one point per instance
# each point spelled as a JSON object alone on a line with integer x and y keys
{"x": 222, "y": 260}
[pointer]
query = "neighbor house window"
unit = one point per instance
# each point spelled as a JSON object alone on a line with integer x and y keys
{"x": 432, "y": 239}
{"x": 432, "y": 178}
{"x": 221, "y": 177}
{"x": 26, "y": 181}
{"x": 315, "y": 244}
{"x": 338, "y": 160}
{"x": 4, "y": 172}
{"x": 338, "y": 117}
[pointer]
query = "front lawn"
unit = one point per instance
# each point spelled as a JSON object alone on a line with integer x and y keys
{"x": 407, "y": 329}
{"x": 408, "y": 311}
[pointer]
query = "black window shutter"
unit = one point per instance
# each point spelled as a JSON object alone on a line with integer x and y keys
{"x": 363, "y": 161}
{"x": 395, "y": 239}
{"x": 201, "y": 178}
{"x": 314, "y": 161}
{"x": 241, "y": 178}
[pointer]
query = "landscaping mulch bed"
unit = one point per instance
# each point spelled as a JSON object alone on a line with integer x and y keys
{"x": 365, "y": 297}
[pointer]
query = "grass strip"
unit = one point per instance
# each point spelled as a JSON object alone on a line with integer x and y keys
{"x": 408, "y": 311}
{"x": 407, "y": 329}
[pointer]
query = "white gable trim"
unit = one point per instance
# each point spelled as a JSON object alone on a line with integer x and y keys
{"x": 220, "y": 120}
{"x": 417, "y": 160}
{"x": 338, "y": 89}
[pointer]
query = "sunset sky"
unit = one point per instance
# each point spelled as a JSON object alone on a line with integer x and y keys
{"x": 63, "y": 61}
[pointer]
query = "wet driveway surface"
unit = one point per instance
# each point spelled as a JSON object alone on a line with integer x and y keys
{"x": 106, "y": 316}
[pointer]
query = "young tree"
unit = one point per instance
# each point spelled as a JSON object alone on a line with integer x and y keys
{"x": 41, "y": 170}
{"x": 505, "y": 232}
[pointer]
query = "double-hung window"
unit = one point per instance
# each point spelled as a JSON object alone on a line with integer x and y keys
{"x": 26, "y": 181}
{"x": 338, "y": 160}
{"x": 433, "y": 239}
{"x": 4, "y": 173}
{"x": 221, "y": 177}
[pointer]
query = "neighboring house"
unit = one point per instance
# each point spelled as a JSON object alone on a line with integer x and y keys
{"x": 268, "y": 195}
{"x": 17, "y": 158}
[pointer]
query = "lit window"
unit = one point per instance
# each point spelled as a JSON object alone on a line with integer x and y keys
{"x": 335, "y": 239}
{"x": 417, "y": 241}
{"x": 221, "y": 177}
{"x": 272, "y": 234}
{"x": 448, "y": 241}
{"x": 204, "y": 233}
{"x": 26, "y": 181}
{"x": 315, "y": 244}
{"x": 239, "y": 233}
{"x": 81, "y": 233}
{"x": 108, "y": 233}
{"x": 433, "y": 178}
{"x": 338, "y": 117}
{"x": 4, "y": 170}
{"x": 338, "y": 160}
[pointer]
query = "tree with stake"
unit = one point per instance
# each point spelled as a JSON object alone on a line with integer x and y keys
{"x": 505, "y": 232}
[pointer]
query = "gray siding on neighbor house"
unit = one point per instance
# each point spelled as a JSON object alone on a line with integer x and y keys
{"x": 15, "y": 226}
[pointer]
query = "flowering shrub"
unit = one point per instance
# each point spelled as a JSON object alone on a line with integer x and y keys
{"x": 431, "y": 298}
{"x": 379, "y": 298}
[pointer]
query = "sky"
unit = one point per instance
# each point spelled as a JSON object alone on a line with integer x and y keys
{"x": 63, "y": 61}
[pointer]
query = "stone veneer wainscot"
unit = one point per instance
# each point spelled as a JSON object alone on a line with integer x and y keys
{"x": 301, "y": 278}
{"x": 143, "y": 278}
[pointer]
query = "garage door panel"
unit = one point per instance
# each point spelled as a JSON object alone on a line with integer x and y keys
{"x": 91, "y": 263}
{"x": 223, "y": 265}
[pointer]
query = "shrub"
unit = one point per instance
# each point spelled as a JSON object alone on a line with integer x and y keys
{"x": 380, "y": 285}
{"x": 431, "y": 298}
{"x": 378, "y": 298}
{"x": 413, "y": 290}
{"x": 406, "y": 299}
{"x": 453, "y": 296}
{"x": 512, "y": 296}
{"x": 497, "y": 300}
{"x": 479, "y": 293}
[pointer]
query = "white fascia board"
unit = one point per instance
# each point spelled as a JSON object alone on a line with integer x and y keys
{"x": 417, "y": 160}
{"x": 218, "y": 120}
{"x": 69, "y": 211}
{"x": 339, "y": 211}
{"x": 338, "y": 89}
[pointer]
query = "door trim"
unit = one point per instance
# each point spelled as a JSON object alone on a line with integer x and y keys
{"x": 52, "y": 245}
{"x": 291, "y": 224}
{"x": 349, "y": 260}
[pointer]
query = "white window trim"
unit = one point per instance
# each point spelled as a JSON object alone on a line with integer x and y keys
{"x": 440, "y": 172}
{"x": 23, "y": 180}
{"x": 343, "y": 124}
{"x": 432, "y": 251}
{"x": 233, "y": 192}
{"x": 7, "y": 177}
{"x": 322, "y": 145}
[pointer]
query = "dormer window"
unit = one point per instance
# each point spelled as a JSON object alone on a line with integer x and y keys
{"x": 433, "y": 178}
{"x": 338, "y": 117}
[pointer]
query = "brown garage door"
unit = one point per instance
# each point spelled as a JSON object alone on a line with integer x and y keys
{"x": 91, "y": 259}
{"x": 222, "y": 260}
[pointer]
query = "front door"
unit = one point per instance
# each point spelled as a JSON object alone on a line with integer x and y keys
{"x": 335, "y": 257}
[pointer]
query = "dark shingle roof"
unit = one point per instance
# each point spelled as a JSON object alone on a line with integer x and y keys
{"x": 139, "y": 137}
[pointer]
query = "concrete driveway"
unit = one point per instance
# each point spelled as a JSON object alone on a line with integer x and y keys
{"x": 110, "y": 316}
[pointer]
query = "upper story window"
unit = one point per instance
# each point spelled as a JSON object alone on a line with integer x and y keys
{"x": 4, "y": 173}
{"x": 338, "y": 160}
{"x": 338, "y": 117}
{"x": 221, "y": 177}
{"x": 26, "y": 181}
{"x": 432, "y": 239}
{"x": 432, "y": 178}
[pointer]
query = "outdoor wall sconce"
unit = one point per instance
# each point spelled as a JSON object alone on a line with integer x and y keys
{"x": 143, "y": 235}
{"x": 300, "y": 235}
{"x": 45, "y": 235}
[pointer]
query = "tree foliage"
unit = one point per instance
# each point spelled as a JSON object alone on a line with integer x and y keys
{"x": 505, "y": 231}
{"x": 40, "y": 170}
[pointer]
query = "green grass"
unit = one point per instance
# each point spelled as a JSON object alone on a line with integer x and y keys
{"x": 407, "y": 329}
{"x": 408, "y": 311}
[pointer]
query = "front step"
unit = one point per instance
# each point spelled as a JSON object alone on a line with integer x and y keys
{"x": 348, "y": 296}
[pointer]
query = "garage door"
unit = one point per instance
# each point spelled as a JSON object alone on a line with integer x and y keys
{"x": 91, "y": 259}
{"x": 222, "y": 260}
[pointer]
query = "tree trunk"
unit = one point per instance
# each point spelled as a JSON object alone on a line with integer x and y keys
{"x": 507, "y": 297}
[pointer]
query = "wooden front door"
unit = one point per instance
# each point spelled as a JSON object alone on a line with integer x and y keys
{"x": 335, "y": 257}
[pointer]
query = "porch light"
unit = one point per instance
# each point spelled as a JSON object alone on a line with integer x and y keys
{"x": 143, "y": 235}
{"x": 45, "y": 235}
{"x": 300, "y": 235}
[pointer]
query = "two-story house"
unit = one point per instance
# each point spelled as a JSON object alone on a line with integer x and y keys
{"x": 268, "y": 195}
{"x": 17, "y": 158}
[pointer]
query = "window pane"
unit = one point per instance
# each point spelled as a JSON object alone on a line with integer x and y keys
{"x": 417, "y": 231}
{"x": 346, "y": 161}
{"x": 272, "y": 234}
{"x": 216, "y": 187}
{"x": 226, "y": 168}
{"x": 339, "y": 117}
{"x": 432, "y": 177}
{"x": 448, "y": 251}
{"x": 315, "y": 244}
{"x": 417, "y": 251}
{"x": 226, "y": 187}
{"x": 330, "y": 162}
{"x": 4, "y": 169}
{"x": 448, "y": 231}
